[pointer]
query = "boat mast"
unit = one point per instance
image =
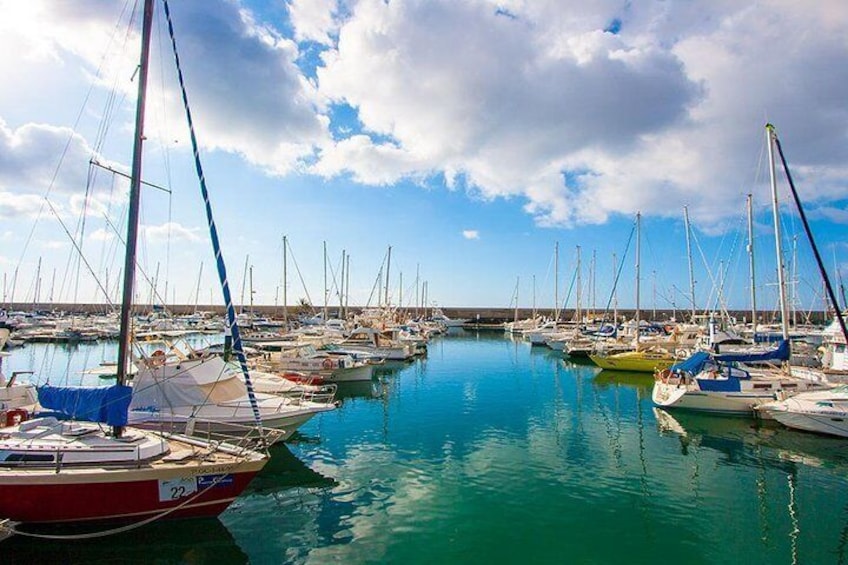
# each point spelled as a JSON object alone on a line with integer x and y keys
{"x": 819, "y": 262}
{"x": 556, "y": 282}
{"x": 347, "y": 284}
{"x": 638, "y": 258}
{"x": 285, "y": 282}
{"x": 326, "y": 290}
{"x": 534, "y": 297}
{"x": 781, "y": 281}
{"x": 197, "y": 289}
{"x": 134, "y": 202}
{"x": 517, "y": 281}
{"x": 689, "y": 257}
{"x": 750, "y": 206}
{"x": 388, "y": 271}
{"x": 594, "y": 281}
{"x": 340, "y": 286}
{"x": 614, "y": 290}
{"x": 578, "y": 313}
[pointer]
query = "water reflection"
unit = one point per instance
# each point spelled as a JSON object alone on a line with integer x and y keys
{"x": 744, "y": 441}
{"x": 168, "y": 541}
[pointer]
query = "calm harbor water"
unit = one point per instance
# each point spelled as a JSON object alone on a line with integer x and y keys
{"x": 490, "y": 451}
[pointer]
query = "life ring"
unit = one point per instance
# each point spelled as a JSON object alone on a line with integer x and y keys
{"x": 328, "y": 364}
{"x": 157, "y": 358}
{"x": 16, "y": 416}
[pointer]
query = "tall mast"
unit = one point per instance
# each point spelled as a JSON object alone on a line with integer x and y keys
{"x": 388, "y": 272}
{"x": 517, "y": 281}
{"x": 347, "y": 284}
{"x": 578, "y": 313}
{"x": 689, "y": 258}
{"x": 135, "y": 197}
{"x": 197, "y": 290}
{"x": 794, "y": 282}
{"x": 638, "y": 260}
{"x": 775, "y": 208}
{"x": 556, "y": 282}
{"x": 594, "y": 280}
{"x": 750, "y": 206}
{"x": 417, "y": 273}
{"x": 285, "y": 282}
{"x": 534, "y": 297}
{"x": 614, "y": 290}
{"x": 243, "y": 283}
{"x": 340, "y": 287}
{"x": 326, "y": 290}
{"x": 251, "y": 290}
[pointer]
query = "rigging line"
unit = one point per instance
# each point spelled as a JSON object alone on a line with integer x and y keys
{"x": 238, "y": 348}
{"x": 138, "y": 266}
{"x": 79, "y": 250}
{"x": 822, "y": 270}
{"x": 707, "y": 267}
{"x": 97, "y": 163}
{"x": 615, "y": 281}
{"x": 300, "y": 277}
{"x": 61, "y": 160}
{"x": 377, "y": 280}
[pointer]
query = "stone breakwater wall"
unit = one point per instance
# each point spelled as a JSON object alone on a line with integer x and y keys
{"x": 473, "y": 315}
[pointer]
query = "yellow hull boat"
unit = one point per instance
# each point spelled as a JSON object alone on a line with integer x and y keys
{"x": 637, "y": 361}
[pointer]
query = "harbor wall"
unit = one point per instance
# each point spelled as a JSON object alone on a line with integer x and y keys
{"x": 474, "y": 315}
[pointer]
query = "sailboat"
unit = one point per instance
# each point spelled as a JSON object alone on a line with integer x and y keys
{"x": 642, "y": 360}
{"x": 718, "y": 383}
{"x": 65, "y": 471}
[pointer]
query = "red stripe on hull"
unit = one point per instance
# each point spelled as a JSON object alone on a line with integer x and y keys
{"x": 116, "y": 501}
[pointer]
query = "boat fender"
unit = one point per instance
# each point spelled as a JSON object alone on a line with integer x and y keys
{"x": 16, "y": 416}
{"x": 157, "y": 358}
{"x": 327, "y": 364}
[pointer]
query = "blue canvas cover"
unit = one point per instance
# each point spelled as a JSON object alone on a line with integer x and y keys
{"x": 106, "y": 404}
{"x": 693, "y": 365}
{"x": 781, "y": 353}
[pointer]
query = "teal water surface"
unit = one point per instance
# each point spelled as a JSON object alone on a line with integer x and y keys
{"x": 490, "y": 451}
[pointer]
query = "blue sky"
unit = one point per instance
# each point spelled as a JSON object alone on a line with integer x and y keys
{"x": 470, "y": 136}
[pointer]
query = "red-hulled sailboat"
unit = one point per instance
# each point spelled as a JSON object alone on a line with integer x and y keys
{"x": 63, "y": 471}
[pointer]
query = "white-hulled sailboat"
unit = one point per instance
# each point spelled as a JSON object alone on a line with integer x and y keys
{"x": 75, "y": 470}
{"x": 717, "y": 383}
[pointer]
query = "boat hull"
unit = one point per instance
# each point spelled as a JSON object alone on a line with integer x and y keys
{"x": 121, "y": 495}
{"x": 634, "y": 364}
{"x": 672, "y": 396}
{"x": 809, "y": 422}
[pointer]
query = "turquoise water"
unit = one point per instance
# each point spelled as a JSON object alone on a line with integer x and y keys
{"x": 490, "y": 451}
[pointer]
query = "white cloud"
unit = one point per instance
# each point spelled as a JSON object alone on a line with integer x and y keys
{"x": 172, "y": 230}
{"x": 30, "y": 157}
{"x": 17, "y": 206}
{"x": 102, "y": 234}
{"x": 313, "y": 20}
{"x": 471, "y": 234}
{"x": 582, "y": 123}
{"x": 508, "y": 98}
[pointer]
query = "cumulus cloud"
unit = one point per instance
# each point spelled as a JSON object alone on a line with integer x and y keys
{"x": 313, "y": 20}
{"x": 30, "y": 157}
{"x": 173, "y": 230}
{"x": 17, "y": 206}
{"x": 471, "y": 234}
{"x": 247, "y": 93}
{"x": 583, "y": 119}
{"x": 582, "y": 110}
{"x": 246, "y": 90}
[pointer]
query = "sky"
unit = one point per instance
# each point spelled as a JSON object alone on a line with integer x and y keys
{"x": 473, "y": 137}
